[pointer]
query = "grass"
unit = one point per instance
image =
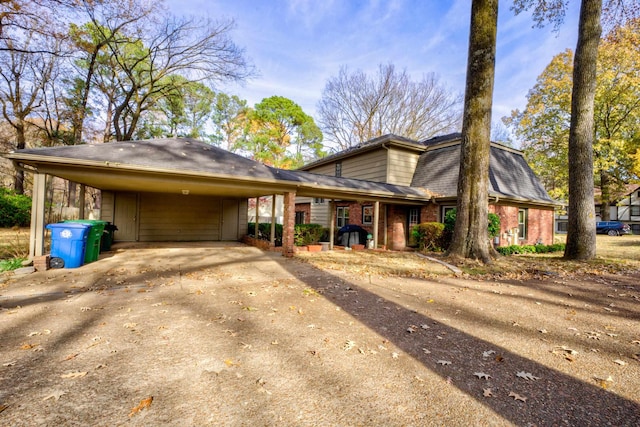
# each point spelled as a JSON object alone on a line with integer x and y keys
{"x": 14, "y": 243}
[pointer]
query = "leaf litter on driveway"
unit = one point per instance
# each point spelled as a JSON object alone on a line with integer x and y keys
{"x": 257, "y": 360}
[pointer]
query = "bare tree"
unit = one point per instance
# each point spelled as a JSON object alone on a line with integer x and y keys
{"x": 27, "y": 68}
{"x": 470, "y": 234}
{"x": 196, "y": 49}
{"x": 355, "y": 108}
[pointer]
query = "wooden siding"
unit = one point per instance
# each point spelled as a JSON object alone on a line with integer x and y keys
{"x": 402, "y": 165}
{"x": 107, "y": 206}
{"x": 172, "y": 217}
{"x": 320, "y": 213}
{"x": 371, "y": 166}
{"x": 243, "y": 217}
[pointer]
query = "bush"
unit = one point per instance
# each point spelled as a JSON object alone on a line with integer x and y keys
{"x": 429, "y": 236}
{"x": 493, "y": 226}
{"x": 530, "y": 249}
{"x": 264, "y": 232}
{"x": 15, "y": 209}
{"x": 308, "y": 234}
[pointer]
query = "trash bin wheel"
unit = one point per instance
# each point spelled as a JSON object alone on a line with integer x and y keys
{"x": 56, "y": 262}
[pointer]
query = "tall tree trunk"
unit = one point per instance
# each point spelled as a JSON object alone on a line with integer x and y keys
{"x": 581, "y": 230}
{"x": 21, "y": 143}
{"x": 470, "y": 235}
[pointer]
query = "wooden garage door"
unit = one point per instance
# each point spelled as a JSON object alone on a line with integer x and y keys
{"x": 169, "y": 217}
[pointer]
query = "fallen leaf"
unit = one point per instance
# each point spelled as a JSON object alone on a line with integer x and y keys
{"x": 620, "y": 362}
{"x": 411, "y": 329}
{"x": 27, "y": 346}
{"x": 7, "y": 364}
{"x": 56, "y": 394}
{"x": 3, "y": 407}
{"x": 516, "y": 396}
{"x": 482, "y": 375}
{"x": 395, "y": 355}
{"x": 425, "y": 326}
{"x": 74, "y": 374}
{"x": 425, "y": 351}
{"x": 71, "y": 356}
{"x": 488, "y": 353}
{"x": 144, "y": 403}
{"x": 526, "y": 375}
{"x": 31, "y": 334}
{"x": 348, "y": 345}
{"x": 443, "y": 362}
{"x": 486, "y": 392}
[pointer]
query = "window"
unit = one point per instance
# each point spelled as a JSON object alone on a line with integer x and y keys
{"x": 522, "y": 223}
{"x": 338, "y": 169}
{"x": 299, "y": 217}
{"x": 318, "y": 200}
{"x": 635, "y": 210}
{"x": 414, "y": 217}
{"x": 367, "y": 215}
{"x": 342, "y": 218}
{"x": 562, "y": 226}
{"x": 445, "y": 210}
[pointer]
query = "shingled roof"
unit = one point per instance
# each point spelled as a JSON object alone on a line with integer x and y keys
{"x": 509, "y": 174}
{"x": 185, "y": 156}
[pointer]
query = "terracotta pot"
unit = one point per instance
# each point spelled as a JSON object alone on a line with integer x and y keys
{"x": 301, "y": 248}
{"x": 314, "y": 248}
{"x": 357, "y": 247}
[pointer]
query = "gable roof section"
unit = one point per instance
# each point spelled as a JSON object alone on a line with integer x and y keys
{"x": 172, "y": 164}
{"x": 509, "y": 174}
{"x": 364, "y": 147}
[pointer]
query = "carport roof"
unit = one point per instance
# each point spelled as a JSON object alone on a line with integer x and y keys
{"x": 179, "y": 164}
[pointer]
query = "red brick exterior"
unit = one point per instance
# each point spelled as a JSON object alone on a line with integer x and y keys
{"x": 539, "y": 225}
{"x": 289, "y": 222}
{"x": 306, "y": 209}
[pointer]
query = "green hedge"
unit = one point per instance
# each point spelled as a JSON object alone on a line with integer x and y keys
{"x": 308, "y": 234}
{"x": 15, "y": 209}
{"x": 264, "y": 232}
{"x": 530, "y": 249}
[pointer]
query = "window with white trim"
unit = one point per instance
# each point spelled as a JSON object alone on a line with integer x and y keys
{"x": 367, "y": 215}
{"x": 342, "y": 216}
{"x": 522, "y": 223}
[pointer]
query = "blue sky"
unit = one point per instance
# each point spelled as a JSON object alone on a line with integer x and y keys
{"x": 296, "y": 45}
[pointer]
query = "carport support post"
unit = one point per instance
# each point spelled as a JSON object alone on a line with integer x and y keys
{"x": 81, "y": 201}
{"x": 288, "y": 223}
{"x": 376, "y": 220}
{"x": 273, "y": 220}
{"x": 36, "y": 234}
{"x": 332, "y": 223}
{"x": 256, "y": 228}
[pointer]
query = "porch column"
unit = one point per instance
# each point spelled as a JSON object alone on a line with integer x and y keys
{"x": 273, "y": 220}
{"x": 288, "y": 224}
{"x": 81, "y": 201}
{"x": 376, "y": 220}
{"x": 36, "y": 234}
{"x": 332, "y": 223}
{"x": 256, "y": 228}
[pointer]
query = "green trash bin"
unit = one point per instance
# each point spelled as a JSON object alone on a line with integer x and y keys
{"x": 107, "y": 237}
{"x": 93, "y": 239}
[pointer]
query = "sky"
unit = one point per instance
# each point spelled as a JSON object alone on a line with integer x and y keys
{"x": 297, "y": 45}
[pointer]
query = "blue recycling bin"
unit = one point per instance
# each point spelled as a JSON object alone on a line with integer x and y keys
{"x": 68, "y": 244}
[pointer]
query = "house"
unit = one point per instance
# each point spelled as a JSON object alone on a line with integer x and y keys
{"x": 626, "y": 208}
{"x": 515, "y": 194}
{"x": 180, "y": 189}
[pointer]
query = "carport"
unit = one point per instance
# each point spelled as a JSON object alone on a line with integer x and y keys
{"x": 183, "y": 189}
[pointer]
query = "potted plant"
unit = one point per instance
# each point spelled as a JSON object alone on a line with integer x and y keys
{"x": 308, "y": 235}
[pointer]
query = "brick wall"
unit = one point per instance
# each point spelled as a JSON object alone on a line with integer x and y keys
{"x": 539, "y": 224}
{"x": 289, "y": 222}
{"x": 306, "y": 208}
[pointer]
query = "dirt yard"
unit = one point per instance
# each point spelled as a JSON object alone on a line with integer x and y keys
{"x": 228, "y": 335}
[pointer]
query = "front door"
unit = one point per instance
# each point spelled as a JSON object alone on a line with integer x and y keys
{"x": 125, "y": 217}
{"x": 229, "y": 219}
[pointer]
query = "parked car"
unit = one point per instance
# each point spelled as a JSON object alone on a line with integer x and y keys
{"x": 612, "y": 228}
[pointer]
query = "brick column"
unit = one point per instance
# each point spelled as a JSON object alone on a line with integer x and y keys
{"x": 288, "y": 224}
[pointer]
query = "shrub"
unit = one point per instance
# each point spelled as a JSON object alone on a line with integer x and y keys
{"x": 15, "y": 209}
{"x": 429, "y": 235}
{"x": 264, "y": 232}
{"x": 307, "y": 234}
{"x": 11, "y": 264}
{"x": 493, "y": 226}
{"x": 530, "y": 249}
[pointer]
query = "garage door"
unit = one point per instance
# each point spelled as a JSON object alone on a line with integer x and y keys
{"x": 171, "y": 217}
